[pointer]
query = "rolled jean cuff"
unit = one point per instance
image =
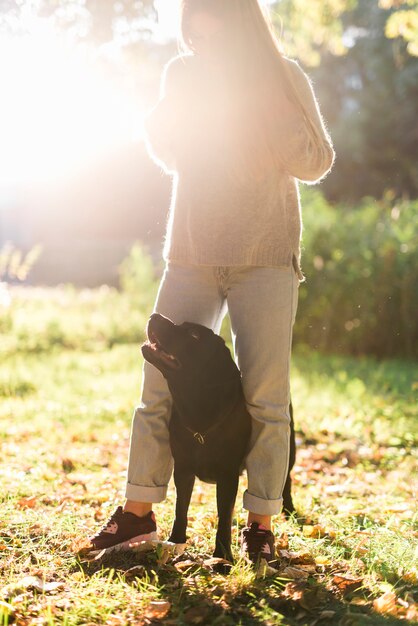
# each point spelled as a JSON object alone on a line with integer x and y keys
{"x": 138, "y": 493}
{"x": 260, "y": 506}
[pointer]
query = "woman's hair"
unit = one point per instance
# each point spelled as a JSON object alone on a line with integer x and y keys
{"x": 253, "y": 57}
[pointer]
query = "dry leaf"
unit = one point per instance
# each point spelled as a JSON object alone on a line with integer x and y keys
{"x": 313, "y": 597}
{"x": 359, "y": 601}
{"x": 81, "y": 547}
{"x": 314, "y": 532}
{"x": 386, "y": 603}
{"x": 295, "y": 573}
{"x": 157, "y": 609}
{"x": 282, "y": 542}
{"x": 412, "y": 613}
{"x": 326, "y": 614}
{"x": 27, "y": 503}
{"x": 196, "y": 614}
{"x": 310, "y": 569}
{"x": 166, "y": 547}
{"x": 318, "y": 532}
{"x": 294, "y": 591}
{"x": 347, "y": 583}
{"x": 67, "y": 465}
{"x": 52, "y": 586}
{"x": 212, "y": 562}
{"x": 299, "y": 558}
{"x": 264, "y": 569}
{"x": 186, "y": 565}
{"x": 29, "y": 582}
{"x": 138, "y": 571}
{"x": 411, "y": 576}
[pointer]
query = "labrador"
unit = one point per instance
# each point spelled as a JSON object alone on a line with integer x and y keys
{"x": 210, "y": 426}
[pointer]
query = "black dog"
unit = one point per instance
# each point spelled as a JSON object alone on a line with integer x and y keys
{"x": 210, "y": 426}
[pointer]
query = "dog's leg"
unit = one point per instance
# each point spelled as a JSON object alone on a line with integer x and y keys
{"x": 184, "y": 482}
{"x": 288, "y": 506}
{"x": 226, "y": 493}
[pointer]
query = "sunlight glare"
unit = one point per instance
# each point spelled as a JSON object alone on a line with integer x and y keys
{"x": 57, "y": 113}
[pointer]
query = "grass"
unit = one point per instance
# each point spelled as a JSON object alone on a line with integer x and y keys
{"x": 65, "y": 411}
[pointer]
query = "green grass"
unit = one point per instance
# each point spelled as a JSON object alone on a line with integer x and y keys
{"x": 65, "y": 412}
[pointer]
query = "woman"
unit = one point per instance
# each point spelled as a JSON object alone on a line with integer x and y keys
{"x": 237, "y": 123}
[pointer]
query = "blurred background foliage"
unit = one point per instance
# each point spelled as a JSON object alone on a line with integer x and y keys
{"x": 361, "y": 264}
{"x": 360, "y": 224}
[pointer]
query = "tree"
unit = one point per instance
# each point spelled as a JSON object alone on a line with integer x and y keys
{"x": 314, "y": 28}
{"x": 309, "y": 29}
{"x": 403, "y": 22}
{"x": 370, "y": 100}
{"x": 98, "y": 21}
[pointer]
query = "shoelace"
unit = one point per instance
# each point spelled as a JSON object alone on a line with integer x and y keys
{"x": 112, "y": 520}
{"x": 255, "y": 540}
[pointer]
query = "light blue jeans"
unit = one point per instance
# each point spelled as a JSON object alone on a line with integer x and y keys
{"x": 262, "y": 303}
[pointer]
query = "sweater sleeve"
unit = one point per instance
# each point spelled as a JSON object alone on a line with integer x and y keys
{"x": 161, "y": 122}
{"x": 301, "y": 156}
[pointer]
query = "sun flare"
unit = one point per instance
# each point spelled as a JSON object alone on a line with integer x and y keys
{"x": 57, "y": 113}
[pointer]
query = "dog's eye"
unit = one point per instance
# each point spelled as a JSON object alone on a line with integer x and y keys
{"x": 194, "y": 334}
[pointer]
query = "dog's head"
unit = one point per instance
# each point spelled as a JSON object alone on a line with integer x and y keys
{"x": 186, "y": 351}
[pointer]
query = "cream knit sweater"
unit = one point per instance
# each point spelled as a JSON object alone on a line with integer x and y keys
{"x": 215, "y": 218}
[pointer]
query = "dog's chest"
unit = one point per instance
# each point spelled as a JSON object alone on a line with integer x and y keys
{"x": 209, "y": 456}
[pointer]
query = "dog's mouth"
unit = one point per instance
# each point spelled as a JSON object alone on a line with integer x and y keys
{"x": 158, "y": 351}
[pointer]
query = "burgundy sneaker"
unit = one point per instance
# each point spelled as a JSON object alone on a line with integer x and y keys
{"x": 123, "y": 529}
{"x": 257, "y": 543}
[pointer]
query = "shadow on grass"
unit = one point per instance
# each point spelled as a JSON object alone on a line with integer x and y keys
{"x": 197, "y": 595}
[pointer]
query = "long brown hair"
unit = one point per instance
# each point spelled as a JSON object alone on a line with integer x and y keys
{"x": 253, "y": 56}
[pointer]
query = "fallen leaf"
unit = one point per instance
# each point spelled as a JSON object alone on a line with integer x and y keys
{"x": 67, "y": 465}
{"x": 347, "y": 584}
{"x": 326, "y": 614}
{"x": 282, "y": 542}
{"x": 299, "y": 558}
{"x": 138, "y": 571}
{"x": 196, "y": 614}
{"x": 386, "y": 603}
{"x": 52, "y": 586}
{"x": 164, "y": 546}
{"x": 215, "y": 561}
{"x": 264, "y": 569}
{"x": 157, "y": 609}
{"x": 294, "y": 591}
{"x": 183, "y": 566}
{"x": 412, "y": 613}
{"x": 411, "y": 576}
{"x": 314, "y": 532}
{"x": 27, "y": 503}
{"x": 294, "y": 573}
{"x": 80, "y": 547}
{"x": 30, "y": 583}
{"x": 318, "y": 532}
{"x": 313, "y": 597}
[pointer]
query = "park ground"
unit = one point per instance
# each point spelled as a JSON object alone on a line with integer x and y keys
{"x": 70, "y": 370}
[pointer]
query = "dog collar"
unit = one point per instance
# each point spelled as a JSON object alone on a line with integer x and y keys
{"x": 200, "y": 437}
